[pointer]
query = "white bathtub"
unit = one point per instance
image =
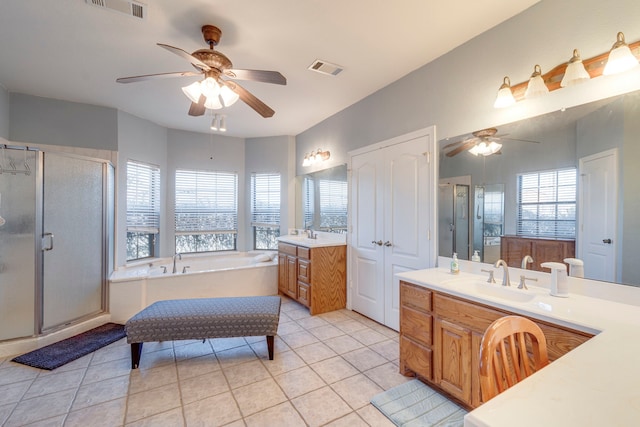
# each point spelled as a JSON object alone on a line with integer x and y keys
{"x": 135, "y": 287}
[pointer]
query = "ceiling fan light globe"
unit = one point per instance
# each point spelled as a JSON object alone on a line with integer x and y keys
{"x": 210, "y": 88}
{"x": 193, "y": 91}
{"x": 213, "y": 103}
{"x": 228, "y": 96}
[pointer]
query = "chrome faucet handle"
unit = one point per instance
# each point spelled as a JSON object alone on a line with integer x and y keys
{"x": 491, "y": 279}
{"x": 164, "y": 269}
{"x": 522, "y": 284}
{"x": 184, "y": 269}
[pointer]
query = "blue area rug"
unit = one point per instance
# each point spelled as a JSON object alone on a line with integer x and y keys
{"x": 65, "y": 351}
{"x": 415, "y": 404}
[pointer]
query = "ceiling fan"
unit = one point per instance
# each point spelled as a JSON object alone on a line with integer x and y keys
{"x": 217, "y": 89}
{"x": 482, "y": 142}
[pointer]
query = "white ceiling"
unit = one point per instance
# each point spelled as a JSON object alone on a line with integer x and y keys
{"x": 71, "y": 50}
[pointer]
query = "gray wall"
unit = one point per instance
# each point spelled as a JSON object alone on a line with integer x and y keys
{"x": 456, "y": 91}
{"x": 50, "y": 121}
{"x": 4, "y": 113}
{"x": 272, "y": 154}
{"x": 144, "y": 141}
{"x": 630, "y": 190}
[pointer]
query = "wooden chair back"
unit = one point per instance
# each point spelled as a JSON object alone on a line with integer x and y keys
{"x": 512, "y": 348}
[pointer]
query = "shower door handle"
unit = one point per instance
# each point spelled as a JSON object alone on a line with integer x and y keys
{"x": 49, "y": 238}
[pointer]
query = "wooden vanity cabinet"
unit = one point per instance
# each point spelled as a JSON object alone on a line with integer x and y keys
{"x": 315, "y": 277}
{"x": 514, "y": 248}
{"x": 440, "y": 338}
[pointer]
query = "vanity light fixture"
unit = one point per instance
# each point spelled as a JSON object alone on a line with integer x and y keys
{"x": 575, "y": 72}
{"x": 505, "y": 96}
{"x": 536, "y": 86}
{"x": 315, "y": 157}
{"x": 620, "y": 57}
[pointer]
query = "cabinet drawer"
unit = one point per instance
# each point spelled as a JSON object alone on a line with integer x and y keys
{"x": 304, "y": 252}
{"x": 417, "y": 325}
{"x": 287, "y": 248}
{"x": 304, "y": 293}
{"x": 475, "y": 317}
{"x": 415, "y": 358}
{"x": 304, "y": 270}
{"x": 415, "y": 296}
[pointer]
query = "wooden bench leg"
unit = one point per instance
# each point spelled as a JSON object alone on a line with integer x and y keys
{"x": 136, "y": 352}
{"x": 270, "y": 346}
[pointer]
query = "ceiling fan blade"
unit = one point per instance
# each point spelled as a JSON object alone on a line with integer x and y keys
{"x": 257, "y": 75}
{"x": 186, "y": 55}
{"x": 133, "y": 79}
{"x": 199, "y": 108}
{"x": 516, "y": 139}
{"x": 467, "y": 145}
{"x": 260, "y": 107}
{"x": 462, "y": 141}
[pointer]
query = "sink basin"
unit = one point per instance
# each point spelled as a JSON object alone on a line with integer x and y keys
{"x": 512, "y": 294}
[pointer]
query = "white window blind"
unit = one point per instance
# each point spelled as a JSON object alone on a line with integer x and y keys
{"x": 308, "y": 197}
{"x": 547, "y": 204}
{"x": 265, "y": 200}
{"x": 206, "y": 202}
{"x": 333, "y": 204}
{"x": 143, "y": 198}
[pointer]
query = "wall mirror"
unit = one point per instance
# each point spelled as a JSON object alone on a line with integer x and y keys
{"x": 479, "y": 195}
{"x": 321, "y": 200}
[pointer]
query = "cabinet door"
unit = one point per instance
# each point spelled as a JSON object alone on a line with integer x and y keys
{"x": 292, "y": 282}
{"x": 453, "y": 359}
{"x": 551, "y": 250}
{"x": 282, "y": 272}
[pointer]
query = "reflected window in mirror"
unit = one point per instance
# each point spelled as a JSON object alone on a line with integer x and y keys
{"x": 265, "y": 210}
{"x": 308, "y": 205}
{"x": 333, "y": 205}
{"x": 547, "y": 204}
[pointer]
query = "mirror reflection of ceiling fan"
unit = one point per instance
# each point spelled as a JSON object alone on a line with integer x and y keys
{"x": 483, "y": 142}
{"x": 217, "y": 89}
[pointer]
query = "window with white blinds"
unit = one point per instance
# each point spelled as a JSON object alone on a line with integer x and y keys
{"x": 308, "y": 198}
{"x": 265, "y": 209}
{"x": 547, "y": 204}
{"x": 206, "y": 211}
{"x": 143, "y": 209}
{"x": 333, "y": 205}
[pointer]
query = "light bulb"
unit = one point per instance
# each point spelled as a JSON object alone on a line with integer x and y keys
{"x": 210, "y": 88}
{"x": 505, "y": 96}
{"x": 620, "y": 58}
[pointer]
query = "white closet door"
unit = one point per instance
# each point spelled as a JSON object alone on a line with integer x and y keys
{"x": 367, "y": 252}
{"x": 391, "y": 215}
{"x": 73, "y": 245}
{"x": 406, "y": 218}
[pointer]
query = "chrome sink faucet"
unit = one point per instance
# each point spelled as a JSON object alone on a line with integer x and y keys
{"x": 311, "y": 234}
{"x": 178, "y": 255}
{"x": 505, "y": 275}
{"x": 526, "y": 260}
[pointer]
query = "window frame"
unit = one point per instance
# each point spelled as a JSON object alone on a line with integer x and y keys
{"x": 143, "y": 216}
{"x": 265, "y": 221}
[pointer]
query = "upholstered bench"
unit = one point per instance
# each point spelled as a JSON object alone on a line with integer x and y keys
{"x": 202, "y": 318}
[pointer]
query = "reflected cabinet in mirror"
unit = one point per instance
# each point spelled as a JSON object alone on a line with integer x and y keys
{"x": 568, "y": 180}
{"x": 321, "y": 200}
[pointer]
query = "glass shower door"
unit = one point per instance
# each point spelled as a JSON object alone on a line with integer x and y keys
{"x": 17, "y": 244}
{"x": 73, "y": 230}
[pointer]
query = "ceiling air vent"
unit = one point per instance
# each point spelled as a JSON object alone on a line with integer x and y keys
{"x": 324, "y": 67}
{"x": 131, "y": 8}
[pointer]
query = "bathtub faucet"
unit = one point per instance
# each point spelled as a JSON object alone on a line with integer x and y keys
{"x": 174, "y": 261}
{"x": 311, "y": 234}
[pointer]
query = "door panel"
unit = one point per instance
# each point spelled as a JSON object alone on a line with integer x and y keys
{"x": 597, "y": 230}
{"x": 73, "y": 276}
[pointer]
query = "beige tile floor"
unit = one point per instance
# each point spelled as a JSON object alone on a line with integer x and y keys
{"x": 325, "y": 370}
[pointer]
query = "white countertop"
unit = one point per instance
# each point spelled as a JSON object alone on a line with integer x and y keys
{"x": 323, "y": 239}
{"x": 596, "y": 384}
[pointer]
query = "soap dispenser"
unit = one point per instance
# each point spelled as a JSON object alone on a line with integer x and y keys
{"x": 559, "y": 285}
{"x": 455, "y": 267}
{"x": 475, "y": 257}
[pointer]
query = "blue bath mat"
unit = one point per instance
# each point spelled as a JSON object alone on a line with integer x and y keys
{"x": 414, "y": 404}
{"x": 65, "y": 351}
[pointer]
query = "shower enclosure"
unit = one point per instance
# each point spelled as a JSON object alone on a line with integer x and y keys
{"x": 453, "y": 219}
{"x": 55, "y": 239}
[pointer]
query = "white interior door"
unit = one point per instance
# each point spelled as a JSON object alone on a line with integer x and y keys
{"x": 597, "y": 229}
{"x": 406, "y": 218}
{"x": 366, "y": 210}
{"x": 391, "y": 214}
